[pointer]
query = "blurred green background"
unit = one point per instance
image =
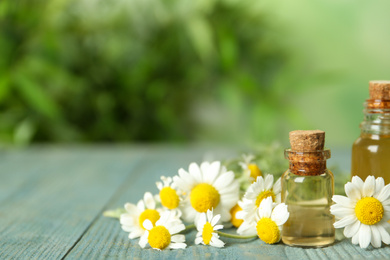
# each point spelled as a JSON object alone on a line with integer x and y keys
{"x": 227, "y": 71}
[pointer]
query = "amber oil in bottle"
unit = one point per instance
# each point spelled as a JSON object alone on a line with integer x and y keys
{"x": 307, "y": 190}
{"x": 371, "y": 151}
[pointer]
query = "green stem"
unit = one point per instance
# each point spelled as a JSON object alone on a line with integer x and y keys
{"x": 189, "y": 227}
{"x": 114, "y": 213}
{"x": 222, "y": 234}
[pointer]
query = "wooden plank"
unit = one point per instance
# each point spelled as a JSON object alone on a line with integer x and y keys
{"x": 53, "y": 195}
{"x": 105, "y": 239}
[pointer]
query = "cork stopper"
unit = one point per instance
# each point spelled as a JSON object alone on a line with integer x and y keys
{"x": 307, "y": 140}
{"x": 379, "y": 89}
{"x": 307, "y": 155}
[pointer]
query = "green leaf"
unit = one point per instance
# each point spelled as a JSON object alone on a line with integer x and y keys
{"x": 201, "y": 36}
{"x": 4, "y": 87}
{"x": 24, "y": 132}
{"x": 37, "y": 98}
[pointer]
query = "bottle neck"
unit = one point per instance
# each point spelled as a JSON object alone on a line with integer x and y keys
{"x": 307, "y": 163}
{"x": 376, "y": 117}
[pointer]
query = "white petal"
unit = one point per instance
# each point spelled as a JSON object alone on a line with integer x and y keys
{"x": 384, "y": 234}
{"x": 188, "y": 179}
{"x": 218, "y": 227}
{"x": 375, "y": 237}
{"x": 167, "y": 180}
{"x": 136, "y": 233}
{"x": 355, "y": 238}
{"x": 364, "y": 236}
{"x": 215, "y": 220}
{"x": 225, "y": 213}
{"x": 265, "y": 208}
{"x": 127, "y": 219}
{"x": 379, "y": 185}
{"x": 269, "y": 180}
{"x": 231, "y": 190}
{"x": 147, "y": 224}
{"x": 179, "y": 182}
{"x": 384, "y": 194}
{"x": 216, "y": 242}
{"x": 351, "y": 230}
{"x": 344, "y": 201}
{"x": 198, "y": 240}
{"x": 278, "y": 198}
{"x": 144, "y": 239}
{"x": 211, "y": 173}
{"x": 201, "y": 221}
{"x": 341, "y": 212}
{"x": 345, "y": 221}
{"x": 240, "y": 214}
{"x": 131, "y": 208}
{"x": 176, "y": 228}
{"x": 247, "y": 228}
{"x": 258, "y": 186}
{"x": 164, "y": 218}
{"x": 358, "y": 182}
{"x": 149, "y": 201}
{"x": 159, "y": 185}
{"x": 195, "y": 172}
{"x": 209, "y": 215}
{"x": 369, "y": 186}
{"x": 386, "y": 208}
{"x": 141, "y": 206}
{"x": 224, "y": 180}
{"x": 280, "y": 214}
{"x": 352, "y": 191}
{"x": 277, "y": 188}
{"x": 252, "y": 216}
{"x": 177, "y": 245}
{"x": 204, "y": 166}
{"x": 189, "y": 214}
{"x": 178, "y": 238}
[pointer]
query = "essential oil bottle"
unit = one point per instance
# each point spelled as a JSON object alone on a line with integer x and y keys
{"x": 307, "y": 190}
{"x": 371, "y": 151}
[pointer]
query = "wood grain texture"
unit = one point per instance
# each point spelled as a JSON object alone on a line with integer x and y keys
{"x": 52, "y": 199}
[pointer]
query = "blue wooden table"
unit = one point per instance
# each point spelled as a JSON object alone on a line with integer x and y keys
{"x": 52, "y": 200}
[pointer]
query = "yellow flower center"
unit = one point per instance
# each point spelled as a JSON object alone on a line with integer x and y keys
{"x": 169, "y": 198}
{"x": 159, "y": 237}
{"x": 255, "y": 171}
{"x": 150, "y": 214}
{"x": 263, "y": 195}
{"x": 203, "y": 197}
{"x": 207, "y": 233}
{"x": 268, "y": 231}
{"x": 235, "y": 221}
{"x": 369, "y": 210}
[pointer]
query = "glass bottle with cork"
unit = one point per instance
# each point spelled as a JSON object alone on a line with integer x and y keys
{"x": 371, "y": 151}
{"x": 307, "y": 190}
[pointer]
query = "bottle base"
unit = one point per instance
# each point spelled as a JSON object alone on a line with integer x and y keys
{"x": 319, "y": 241}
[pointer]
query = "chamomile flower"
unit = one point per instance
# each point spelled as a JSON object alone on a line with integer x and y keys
{"x": 207, "y": 187}
{"x": 206, "y": 226}
{"x": 269, "y": 220}
{"x": 256, "y": 193}
{"x": 364, "y": 212}
{"x": 137, "y": 214}
{"x": 162, "y": 235}
{"x": 168, "y": 195}
{"x": 251, "y": 170}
